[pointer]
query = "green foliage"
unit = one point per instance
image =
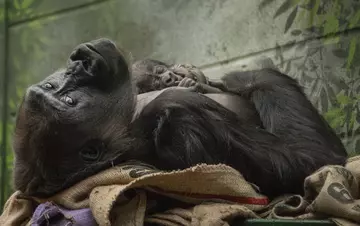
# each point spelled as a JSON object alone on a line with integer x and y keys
{"x": 328, "y": 18}
{"x": 337, "y": 116}
{"x": 20, "y": 9}
{"x": 334, "y": 94}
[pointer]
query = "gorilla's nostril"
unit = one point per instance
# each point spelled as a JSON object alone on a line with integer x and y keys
{"x": 86, "y": 63}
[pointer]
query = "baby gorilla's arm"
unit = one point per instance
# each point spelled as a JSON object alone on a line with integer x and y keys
{"x": 198, "y": 87}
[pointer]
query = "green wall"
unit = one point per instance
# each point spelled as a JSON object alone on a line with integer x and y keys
{"x": 315, "y": 41}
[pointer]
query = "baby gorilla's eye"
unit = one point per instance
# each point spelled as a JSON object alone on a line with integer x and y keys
{"x": 48, "y": 86}
{"x": 68, "y": 100}
{"x": 159, "y": 69}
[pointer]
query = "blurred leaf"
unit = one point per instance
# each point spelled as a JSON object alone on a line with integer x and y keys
{"x": 287, "y": 67}
{"x": 26, "y": 4}
{"x": 24, "y": 41}
{"x": 340, "y": 53}
{"x": 312, "y": 51}
{"x": 19, "y": 92}
{"x": 34, "y": 24}
{"x": 264, "y": 3}
{"x": 323, "y": 99}
{"x": 306, "y": 4}
{"x": 1, "y": 131}
{"x": 313, "y": 29}
{"x": 352, "y": 51}
{"x": 300, "y": 46}
{"x": 352, "y": 120}
{"x": 17, "y": 4}
{"x": 343, "y": 99}
{"x": 335, "y": 117}
{"x": 16, "y": 63}
{"x": 12, "y": 104}
{"x": 290, "y": 19}
{"x": 44, "y": 40}
{"x": 331, "y": 40}
{"x": 283, "y": 8}
{"x": 2, "y": 14}
{"x": 296, "y": 32}
{"x": 314, "y": 4}
{"x": 331, "y": 24}
{"x": 291, "y": 42}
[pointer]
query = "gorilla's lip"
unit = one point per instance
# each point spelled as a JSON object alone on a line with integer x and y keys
{"x": 92, "y": 48}
{"x": 100, "y": 58}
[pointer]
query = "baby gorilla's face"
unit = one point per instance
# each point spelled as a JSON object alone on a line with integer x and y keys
{"x": 150, "y": 75}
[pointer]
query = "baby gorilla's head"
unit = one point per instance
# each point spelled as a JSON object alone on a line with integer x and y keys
{"x": 150, "y": 75}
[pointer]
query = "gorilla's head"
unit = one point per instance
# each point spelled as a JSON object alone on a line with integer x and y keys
{"x": 68, "y": 123}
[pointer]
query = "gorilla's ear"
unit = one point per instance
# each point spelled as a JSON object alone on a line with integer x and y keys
{"x": 99, "y": 60}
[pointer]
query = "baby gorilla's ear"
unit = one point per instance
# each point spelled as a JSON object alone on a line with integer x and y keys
{"x": 99, "y": 60}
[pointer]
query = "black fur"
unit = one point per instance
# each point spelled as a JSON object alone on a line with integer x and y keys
{"x": 55, "y": 140}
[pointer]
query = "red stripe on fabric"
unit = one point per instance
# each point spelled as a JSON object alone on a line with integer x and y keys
{"x": 237, "y": 199}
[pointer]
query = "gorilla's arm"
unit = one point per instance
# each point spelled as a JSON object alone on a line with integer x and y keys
{"x": 191, "y": 129}
{"x": 286, "y": 112}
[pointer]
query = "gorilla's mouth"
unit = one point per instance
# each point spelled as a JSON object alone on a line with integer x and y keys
{"x": 91, "y": 60}
{"x": 99, "y": 61}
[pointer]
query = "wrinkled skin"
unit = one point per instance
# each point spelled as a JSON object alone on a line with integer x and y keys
{"x": 87, "y": 117}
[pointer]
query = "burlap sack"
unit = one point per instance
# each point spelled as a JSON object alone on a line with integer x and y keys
{"x": 17, "y": 210}
{"x": 331, "y": 192}
{"x": 105, "y": 193}
{"x": 214, "y": 194}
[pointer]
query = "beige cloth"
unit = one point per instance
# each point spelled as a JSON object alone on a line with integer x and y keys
{"x": 132, "y": 194}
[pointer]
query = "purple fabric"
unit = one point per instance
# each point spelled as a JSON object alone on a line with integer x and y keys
{"x": 51, "y": 214}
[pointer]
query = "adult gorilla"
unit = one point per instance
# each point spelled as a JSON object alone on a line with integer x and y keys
{"x": 86, "y": 118}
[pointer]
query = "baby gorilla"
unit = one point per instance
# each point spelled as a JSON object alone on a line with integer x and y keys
{"x": 153, "y": 75}
{"x": 150, "y": 75}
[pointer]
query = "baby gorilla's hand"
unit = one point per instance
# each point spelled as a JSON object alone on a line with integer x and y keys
{"x": 187, "y": 82}
{"x": 191, "y": 84}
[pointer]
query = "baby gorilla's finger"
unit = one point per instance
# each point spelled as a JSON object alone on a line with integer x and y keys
{"x": 189, "y": 82}
{"x": 185, "y": 82}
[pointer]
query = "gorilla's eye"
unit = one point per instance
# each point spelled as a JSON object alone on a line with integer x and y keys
{"x": 68, "y": 100}
{"x": 90, "y": 154}
{"x": 48, "y": 86}
{"x": 92, "y": 151}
